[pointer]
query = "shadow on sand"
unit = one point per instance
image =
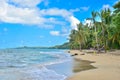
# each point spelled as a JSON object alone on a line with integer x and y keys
{"x": 82, "y": 65}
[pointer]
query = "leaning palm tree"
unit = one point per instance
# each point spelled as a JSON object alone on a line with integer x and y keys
{"x": 72, "y": 39}
{"x": 81, "y": 35}
{"x": 105, "y": 16}
{"x": 94, "y": 15}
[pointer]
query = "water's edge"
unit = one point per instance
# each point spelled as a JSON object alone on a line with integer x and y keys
{"x": 39, "y": 65}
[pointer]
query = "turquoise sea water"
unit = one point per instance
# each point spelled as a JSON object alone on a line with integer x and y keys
{"x": 34, "y": 64}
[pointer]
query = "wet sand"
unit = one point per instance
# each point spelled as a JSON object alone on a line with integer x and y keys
{"x": 81, "y": 65}
{"x": 107, "y": 66}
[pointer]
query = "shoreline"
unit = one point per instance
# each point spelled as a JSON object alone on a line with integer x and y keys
{"x": 107, "y": 66}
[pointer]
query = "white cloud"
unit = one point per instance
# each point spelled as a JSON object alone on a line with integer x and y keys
{"x": 80, "y": 9}
{"x": 75, "y": 10}
{"x": 25, "y": 3}
{"x": 106, "y": 6}
{"x": 55, "y": 12}
{"x": 74, "y": 21}
{"x": 11, "y": 14}
{"x": 84, "y": 8}
{"x": 27, "y": 12}
{"x": 64, "y": 32}
{"x": 88, "y": 22}
{"x": 55, "y": 33}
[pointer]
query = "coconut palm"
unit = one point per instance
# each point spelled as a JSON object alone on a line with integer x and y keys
{"x": 72, "y": 39}
{"x": 116, "y": 22}
{"x": 105, "y": 16}
{"x": 117, "y": 7}
{"x": 105, "y": 33}
{"x": 81, "y": 35}
{"x": 94, "y": 15}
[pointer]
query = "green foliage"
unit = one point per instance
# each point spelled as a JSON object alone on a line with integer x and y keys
{"x": 117, "y": 7}
{"x": 104, "y": 34}
{"x": 115, "y": 35}
{"x": 63, "y": 46}
{"x": 78, "y": 37}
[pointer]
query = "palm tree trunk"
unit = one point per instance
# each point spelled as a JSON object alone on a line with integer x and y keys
{"x": 105, "y": 46}
{"x": 96, "y": 39}
{"x": 80, "y": 47}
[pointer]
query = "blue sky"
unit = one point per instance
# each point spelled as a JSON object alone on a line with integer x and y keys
{"x": 43, "y": 22}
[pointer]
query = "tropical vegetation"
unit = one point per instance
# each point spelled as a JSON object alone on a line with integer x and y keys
{"x": 102, "y": 34}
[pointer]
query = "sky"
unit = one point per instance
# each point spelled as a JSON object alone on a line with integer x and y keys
{"x": 43, "y": 22}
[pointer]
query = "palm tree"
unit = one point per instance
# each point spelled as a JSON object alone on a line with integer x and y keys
{"x": 103, "y": 33}
{"x": 117, "y": 7}
{"x": 105, "y": 16}
{"x": 94, "y": 15}
{"x": 72, "y": 39}
{"x": 80, "y": 35}
{"x": 115, "y": 36}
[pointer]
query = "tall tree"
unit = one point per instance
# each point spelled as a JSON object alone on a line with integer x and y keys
{"x": 94, "y": 15}
{"x": 81, "y": 35}
{"x": 72, "y": 39}
{"x": 105, "y": 16}
{"x": 105, "y": 33}
{"x": 116, "y": 21}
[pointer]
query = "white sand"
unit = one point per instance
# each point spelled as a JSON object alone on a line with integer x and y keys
{"x": 108, "y": 67}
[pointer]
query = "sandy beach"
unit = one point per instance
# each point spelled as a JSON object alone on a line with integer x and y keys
{"x": 107, "y": 66}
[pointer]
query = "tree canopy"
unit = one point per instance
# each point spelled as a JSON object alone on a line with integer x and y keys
{"x": 103, "y": 34}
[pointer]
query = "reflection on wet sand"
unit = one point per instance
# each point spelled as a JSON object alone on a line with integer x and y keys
{"x": 82, "y": 65}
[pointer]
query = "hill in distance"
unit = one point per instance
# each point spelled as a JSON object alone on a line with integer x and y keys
{"x": 63, "y": 46}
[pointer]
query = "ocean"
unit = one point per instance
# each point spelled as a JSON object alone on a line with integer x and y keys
{"x": 34, "y": 64}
